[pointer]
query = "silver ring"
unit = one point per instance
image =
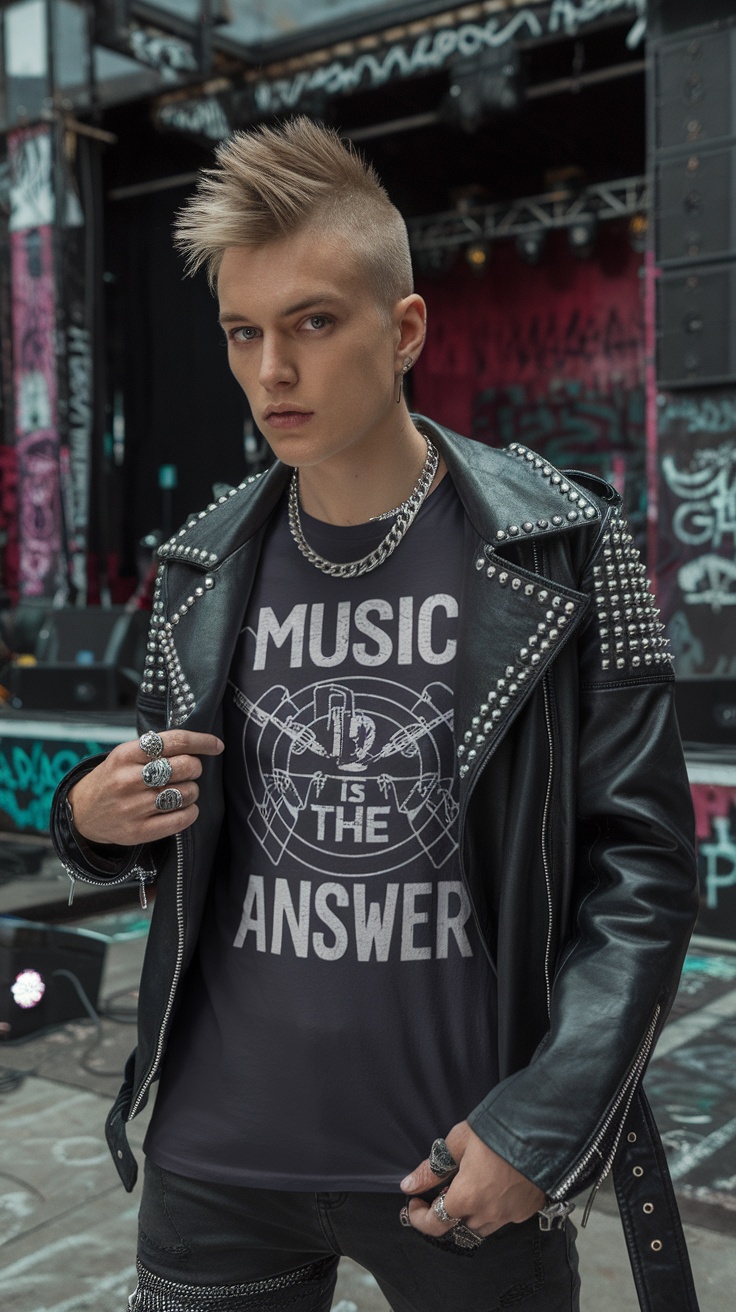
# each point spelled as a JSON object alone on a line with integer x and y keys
{"x": 156, "y": 773}
{"x": 440, "y": 1211}
{"x": 169, "y": 800}
{"x": 151, "y": 744}
{"x": 464, "y": 1237}
{"x": 441, "y": 1160}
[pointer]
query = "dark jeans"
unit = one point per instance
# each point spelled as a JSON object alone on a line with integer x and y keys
{"x": 224, "y": 1248}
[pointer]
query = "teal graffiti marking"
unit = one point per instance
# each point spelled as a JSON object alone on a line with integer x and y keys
{"x": 29, "y": 776}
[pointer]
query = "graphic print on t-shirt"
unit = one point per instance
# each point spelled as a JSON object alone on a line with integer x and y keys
{"x": 347, "y": 776}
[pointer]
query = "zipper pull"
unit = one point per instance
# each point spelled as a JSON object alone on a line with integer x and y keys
{"x": 554, "y": 1215}
{"x": 591, "y": 1200}
{"x": 142, "y": 891}
{"x": 72, "y": 887}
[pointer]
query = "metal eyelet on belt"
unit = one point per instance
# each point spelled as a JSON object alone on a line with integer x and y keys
{"x": 656, "y": 1245}
{"x": 638, "y": 1171}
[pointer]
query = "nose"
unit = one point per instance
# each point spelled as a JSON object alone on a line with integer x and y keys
{"x": 277, "y": 369}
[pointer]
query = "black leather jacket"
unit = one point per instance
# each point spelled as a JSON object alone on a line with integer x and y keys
{"x": 576, "y": 825}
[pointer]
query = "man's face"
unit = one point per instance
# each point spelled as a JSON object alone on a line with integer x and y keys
{"x": 308, "y": 344}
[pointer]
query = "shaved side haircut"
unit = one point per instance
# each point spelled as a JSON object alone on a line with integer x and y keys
{"x": 272, "y": 182}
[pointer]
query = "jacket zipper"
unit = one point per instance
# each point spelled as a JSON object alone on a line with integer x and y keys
{"x": 625, "y": 1097}
{"x": 135, "y": 872}
{"x": 175, "y": 978}
{"x": 545, "y": 823}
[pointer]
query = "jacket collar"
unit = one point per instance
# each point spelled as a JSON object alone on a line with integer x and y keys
{"x": 509, "y": 494}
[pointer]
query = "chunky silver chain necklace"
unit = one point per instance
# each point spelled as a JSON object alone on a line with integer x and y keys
{"x": 406, "y": 513}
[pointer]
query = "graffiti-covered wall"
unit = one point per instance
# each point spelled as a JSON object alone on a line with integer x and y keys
{"x": 696, "y": 568}
{"x": 552, "y": 356}
{"x": 40, "y": 563}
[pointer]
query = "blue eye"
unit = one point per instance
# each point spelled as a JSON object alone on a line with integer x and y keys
{"x": 236, "y": 337}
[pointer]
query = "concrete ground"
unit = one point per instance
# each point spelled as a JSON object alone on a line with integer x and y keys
{"x": 67, "y": 1228}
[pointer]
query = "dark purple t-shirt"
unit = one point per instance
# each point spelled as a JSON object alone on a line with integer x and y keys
{"x": 341, "y": 1011}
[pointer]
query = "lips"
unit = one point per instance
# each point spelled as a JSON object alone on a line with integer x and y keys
{"x": 288, "y": 418}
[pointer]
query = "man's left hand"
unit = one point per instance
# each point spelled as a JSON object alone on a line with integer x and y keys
{"x": 485, "y": 1193}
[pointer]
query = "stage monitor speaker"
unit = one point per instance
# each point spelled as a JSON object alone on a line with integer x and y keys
{"x": 696, "y": 206}
{"x": 697, "y": 338}
{"x": 696, "y": 89}
{"x": 72, "y": 687}
{"x": 706, "y": 710}
{"x": 36, "y": 961}
{"x": 104, "y": 635}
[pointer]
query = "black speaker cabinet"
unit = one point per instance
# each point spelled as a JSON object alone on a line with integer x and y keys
{"x": 706, "y": 710}
{"x": 107, "y": 635}
{"x": 696, "y": 88}
{"x": 33, "y": 994}
{"x": 695, "y": 217}
{"x": 70, "y": 687}
{"x": 696, "y": 341}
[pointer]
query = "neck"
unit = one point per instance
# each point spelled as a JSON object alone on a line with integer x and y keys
{"x": 371, "y": 477}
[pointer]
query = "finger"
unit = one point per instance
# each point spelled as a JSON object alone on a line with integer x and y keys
{"x": 422, "y": 1217}
{"x": 177, "y": 742}
{"x": 425, "y": 1176}
{"x": 189, "y": 795}
{"x": 180, "y": 742}
{"x": 421, "y": 1179}
{"x": 183, "y": 768}
{"x": 166, "y": 824}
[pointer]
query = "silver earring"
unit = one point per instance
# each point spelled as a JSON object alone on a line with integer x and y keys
{"x": 404, "y": 371}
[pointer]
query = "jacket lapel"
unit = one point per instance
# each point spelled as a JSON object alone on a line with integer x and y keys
{"x": 513, "y": 623}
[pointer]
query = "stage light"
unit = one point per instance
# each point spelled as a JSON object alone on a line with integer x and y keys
{"x": 638, "y": 232}
{"x": 477, "y": 256}
{"x": 28, "y": 989}
{"x": 531, "y": 245}
{"x": 42, "y": 969}
{"x": 581, "y": 235}
{"x": 481, "y": 87}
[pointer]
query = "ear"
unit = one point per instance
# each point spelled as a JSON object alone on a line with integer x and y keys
{"x": 410, "y": 329}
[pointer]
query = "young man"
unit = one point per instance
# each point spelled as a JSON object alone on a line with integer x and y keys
{"x": 411, "y": 783}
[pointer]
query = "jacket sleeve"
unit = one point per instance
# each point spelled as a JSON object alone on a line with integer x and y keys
{"x": 98, "y": 863}
{"x": 559, "y": 1120}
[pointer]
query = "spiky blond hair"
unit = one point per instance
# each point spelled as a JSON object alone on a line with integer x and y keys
{"x": 271, "y": 182}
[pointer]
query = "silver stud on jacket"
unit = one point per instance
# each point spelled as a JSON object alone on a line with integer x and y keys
{"x": 632, "y": 638}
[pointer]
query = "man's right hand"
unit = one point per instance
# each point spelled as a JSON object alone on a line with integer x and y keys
{"x": 112, "y": 804}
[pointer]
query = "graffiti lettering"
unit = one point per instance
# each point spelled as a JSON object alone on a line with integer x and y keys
{"x": 167, "y": 54}
{"x": 708, "y": 414}
{"x": 29, "y": 777}
{"x": 80, "y": 436}
{"x": 204, "y": 118}
{"x": 710, "y": 581}
{"x": 720, "y": 861}
{"x": 569, "y": 17}
{"x": 708, "y": 491}
{"x": 31, "y": 186}
{"x": 710, "y": 800}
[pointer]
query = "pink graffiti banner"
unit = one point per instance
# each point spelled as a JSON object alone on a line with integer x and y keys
{"x": 34, "y": 362}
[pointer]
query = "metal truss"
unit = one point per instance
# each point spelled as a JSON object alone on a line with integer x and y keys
{"x": 556, "y": 209}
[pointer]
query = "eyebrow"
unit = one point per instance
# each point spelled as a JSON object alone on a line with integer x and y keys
{"x": 309, "y": 302}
